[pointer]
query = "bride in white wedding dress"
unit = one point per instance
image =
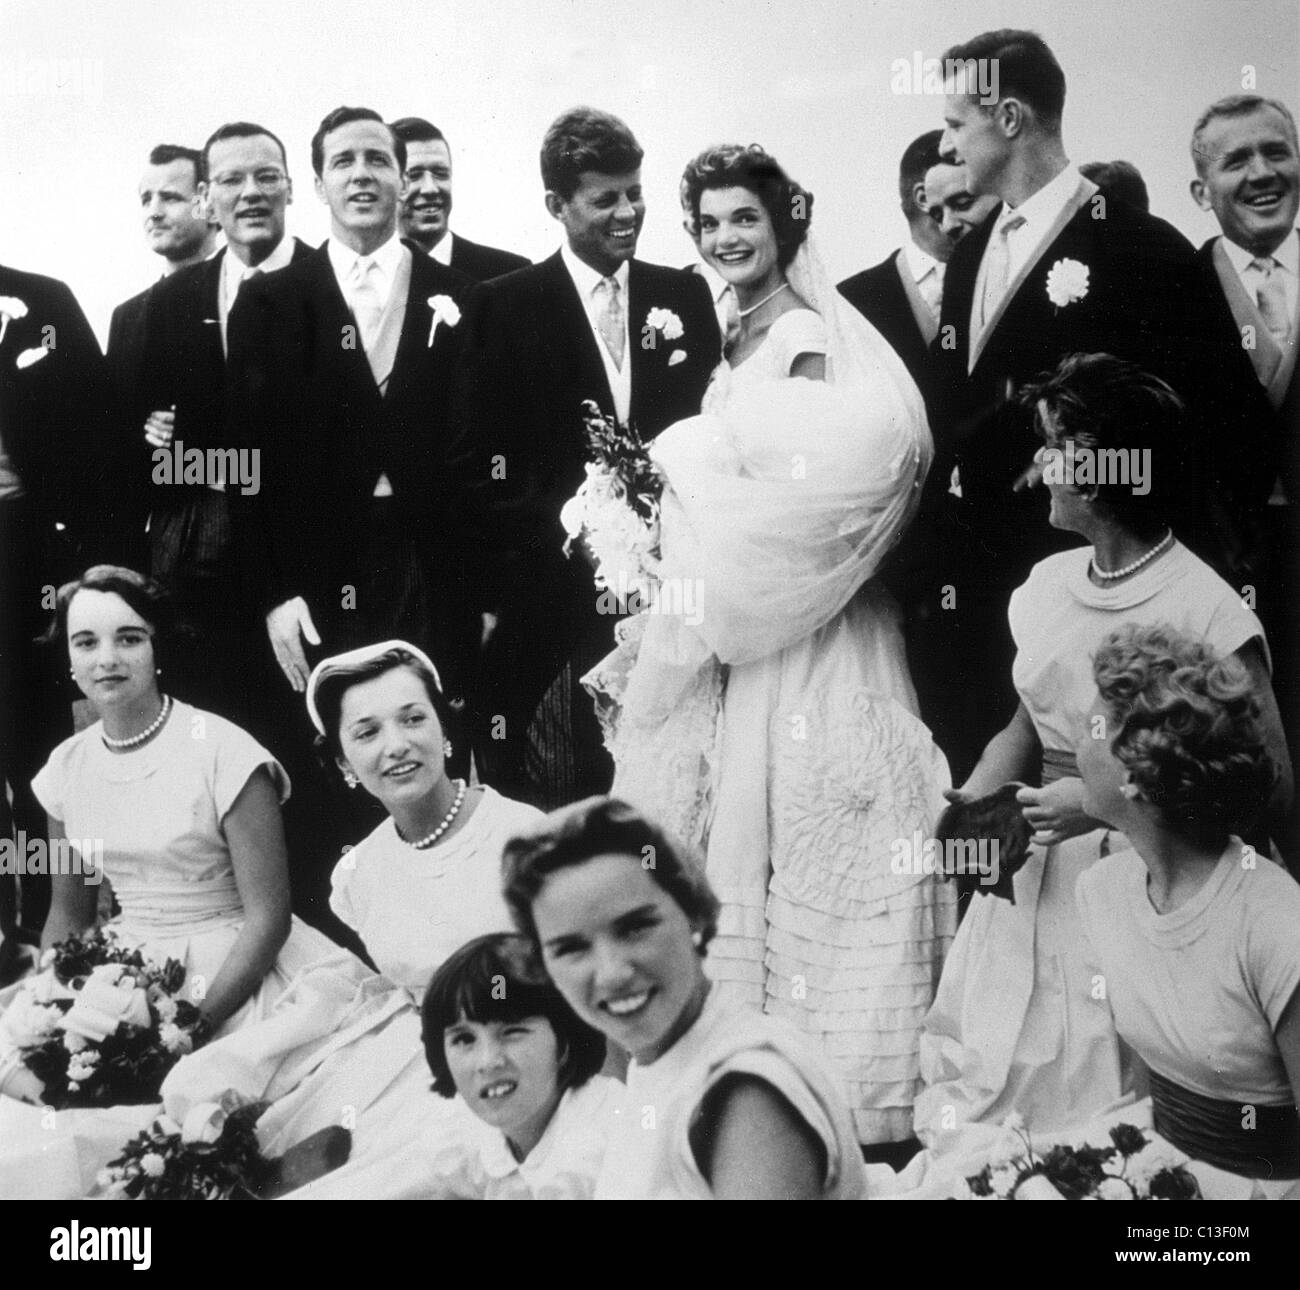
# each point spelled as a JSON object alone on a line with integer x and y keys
{"x": 775, "y": 726}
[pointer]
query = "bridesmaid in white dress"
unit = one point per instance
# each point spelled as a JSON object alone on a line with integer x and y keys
{"x": 776, "y": 729}
{"x": 186, "y": 807}
{"x": 721, "y": 1101}
{"x": 343, "y": 1047}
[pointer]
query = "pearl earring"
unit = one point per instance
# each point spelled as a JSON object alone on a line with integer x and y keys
{"x": 446, "y": 747}
{"x": 350, "y": 779}
{"x": 697, "y": 939}
{"x": 1129, "y": 790}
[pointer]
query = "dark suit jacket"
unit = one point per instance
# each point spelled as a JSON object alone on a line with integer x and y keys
{"x": 1147, "y": 303}
{"x": 483, "y": 263}
{"x": 1282, "y": 440}
{"x": 126, "y": 334}
{"x": 57, "y": 423}
{"x": 878, "y": 295}
{"x": 182, "y": 361}
{"x": 531, "y": 361}
{"x": 308, "y": 400}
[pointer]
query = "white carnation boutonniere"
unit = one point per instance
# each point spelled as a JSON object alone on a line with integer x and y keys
{"x": 11, "y": 309}
{"x": 30, "y": 356}
{"x": 445, "y": 310}
{"x": 1067, "y": 281}
{"x": 669, "y": 325}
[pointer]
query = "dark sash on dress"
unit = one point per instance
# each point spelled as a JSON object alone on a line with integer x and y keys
{"x": 1214, "y": 1131}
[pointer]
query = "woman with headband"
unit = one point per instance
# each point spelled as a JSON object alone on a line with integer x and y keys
{"x": 345, "y": 1045}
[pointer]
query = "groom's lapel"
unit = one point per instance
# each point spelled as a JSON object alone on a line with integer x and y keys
{"x": 1082, "y": 195}
{"x": 567, "y": 333}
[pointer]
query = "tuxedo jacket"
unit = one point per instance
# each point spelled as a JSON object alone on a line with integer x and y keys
{"x": 182, "y": 361}
{"x": 483, "y": 262}
{"x": 57, "y": 421}
{"x": 531, "y": 360}
{"x": 879, "y": 296}
{"x": 301, "y": 391}
{"x": 1146, "y": 302}
{"x": 1282, "y": 438}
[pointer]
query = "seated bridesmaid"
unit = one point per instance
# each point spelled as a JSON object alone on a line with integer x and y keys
{"x": 1194, "y": 934}
{"x": 344, "y": 1045}
{"x": 498, "y": 1033}
{"x": 721, "y": 1101}
{"x": 186, "y": 807}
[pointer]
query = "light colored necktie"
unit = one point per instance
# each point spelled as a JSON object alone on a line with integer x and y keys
{"x": 610, "y": 321}
{"x": 997, "y": 267}
{"x": 1271, "y": 298}
{"x": 367, "y": 308}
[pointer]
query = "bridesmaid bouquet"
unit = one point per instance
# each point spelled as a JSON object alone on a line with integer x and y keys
{"x": 213, "y": 1155}
{"x": 100, "y": 1025}
{"x": 614, "y": 515}
{"x": 1129, "y": 1168}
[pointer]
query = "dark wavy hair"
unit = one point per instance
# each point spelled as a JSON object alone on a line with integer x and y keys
{"x": 342, "y": 116}
{"x": 1108, "y": 405}
{"x": 335, "y": 682}
{"x": 146, "y": 596}
{"x": 731, "y": 165}
{"x": 603, "y": 826}
{"x": 497, "y": 978}
{"x": 1188, "y": 726}
{"x": 585, "y": 138}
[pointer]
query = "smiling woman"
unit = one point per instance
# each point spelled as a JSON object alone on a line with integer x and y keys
{"x": 721, "y": 1101}
{"x": 416, "y": 889}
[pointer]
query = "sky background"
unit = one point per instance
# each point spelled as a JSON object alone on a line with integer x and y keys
{"x": 87, "y": 87}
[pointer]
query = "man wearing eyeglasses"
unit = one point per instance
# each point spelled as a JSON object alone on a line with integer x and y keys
{"x": 246, "y": 189}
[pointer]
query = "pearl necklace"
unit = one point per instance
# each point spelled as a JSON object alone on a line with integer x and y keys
{"x": 744, "y": 313}
{"x": 426, "y": 842}
{"x": 145, "y": 735}
{"x": 1137, "y": 564}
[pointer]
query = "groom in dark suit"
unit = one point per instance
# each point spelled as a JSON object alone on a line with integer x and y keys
{"x": 578, "y": 326}
{"x": 191, "y": 539}
{"x": 1057, "y": 269}
{"x": 341, "y": 369}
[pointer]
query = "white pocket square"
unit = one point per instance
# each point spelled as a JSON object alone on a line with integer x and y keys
{"x": 677, "y": 356}
{"x": 30, "y": 356}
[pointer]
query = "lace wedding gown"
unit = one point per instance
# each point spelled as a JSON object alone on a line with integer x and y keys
{"x": 763, "y": 711}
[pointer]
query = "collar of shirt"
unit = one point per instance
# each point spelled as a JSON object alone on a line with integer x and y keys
{"x": 1046, "y": 204}
{"x": 586, "y": 279}
{"x": 233, "y": 268}
{"x": 442, "y": 249}
{"x": 343, "y": 260}
{"x": 1287, "y": 255}
{"x": 921, "y": 263}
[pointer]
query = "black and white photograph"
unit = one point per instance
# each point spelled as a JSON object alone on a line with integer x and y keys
{"x": 608, "y": 601}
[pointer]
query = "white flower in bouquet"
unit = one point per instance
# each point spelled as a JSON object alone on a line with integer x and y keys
{"x": 1003, "y": 1179}
{"x": 153, "y": 1164}
{"x": 29, "y": 1022}
{"x": 203, "y": 1123}
{"x": 165, "y": 1125}
{"x": 167, "y": 1008}
{"x": 74, "y": 1042}
{"x": 174, "y": 1039}
{"x": 1114, "y": 1189}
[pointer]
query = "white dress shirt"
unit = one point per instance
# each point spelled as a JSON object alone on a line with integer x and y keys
{"x": 927, "y": 273}
{"x": 588, "y": 281}
{"x": 1039, "y": 213}
{"x": 442, "y": 249}
{"x": 343, "y": 260}
{"x": 1286, "y": 264}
